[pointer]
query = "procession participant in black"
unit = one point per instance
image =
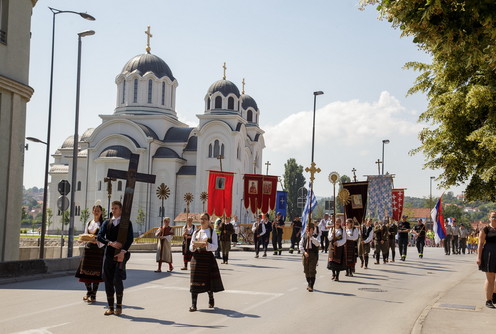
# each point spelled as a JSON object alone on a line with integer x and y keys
{"x": 205, "y": 275}
{"x": 296, "y": 227}
{"x": 454, "y": 241}
{"x": 366, "y": 237}
{"x": 350, "y": 246}
{"x": 114, "y": 266}
{"x": 188, "y": 230}
{"x": 393, "y": 231}
{"x": 403, "y": 230}
{"x": 266, "y": 237}
{"x": 226, "y": 230}
{"x": 259, "y": 232}
{"x": 324, "y": 226}
{"x": 463, "y": 238}
{"x": 381, "y": 237}
{"x": 419, "y": 232}
{"x": 90, "y": 267}
{"x": 447, "y": 239}
{"x": 337, "y": 239}
{"x": 309, "y": 245}
{"x": 277, "y": 231}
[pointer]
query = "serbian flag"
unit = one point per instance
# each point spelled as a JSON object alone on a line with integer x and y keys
{"x": 220, "y": 193}
{"x": 260, "y": 192}
{"x": 398, "y": 200}
{"x": 438, "y": 221}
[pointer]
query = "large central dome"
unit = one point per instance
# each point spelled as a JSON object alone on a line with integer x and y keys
{"x": 148, "y": 63}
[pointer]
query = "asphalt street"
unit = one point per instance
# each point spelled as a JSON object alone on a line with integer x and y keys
{"x": 264, "y": 295}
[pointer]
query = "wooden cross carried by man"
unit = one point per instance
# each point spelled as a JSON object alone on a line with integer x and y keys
{"x": 131, "y": 176}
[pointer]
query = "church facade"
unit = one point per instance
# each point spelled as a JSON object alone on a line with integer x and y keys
{"x": 145, "y": 122}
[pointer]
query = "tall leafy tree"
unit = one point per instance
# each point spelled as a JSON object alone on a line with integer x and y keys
{"x": 293, "y": 180}
{"x": 460, "y": 84}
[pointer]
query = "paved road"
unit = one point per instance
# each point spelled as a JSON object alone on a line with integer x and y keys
{"x": 265, "y": 295}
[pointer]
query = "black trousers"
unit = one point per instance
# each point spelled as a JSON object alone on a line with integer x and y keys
{"x": 113, "y": 276}
{"x": 392, "y": 247}
{"x": 277, "y": 240}
{"x": 447, "y": 244}
{"x": 324, "y": 240}
{"x": 420, "y": 245}
{"x": 403, "y": 245}
{"x": 454, "y": 245}
{"x": 295, "y": 240}
{"x": 258, "y": 243}
{"x": 463, "y": 244}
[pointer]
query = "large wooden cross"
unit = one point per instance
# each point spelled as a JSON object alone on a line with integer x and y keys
{"x": 131, "y": 176}
{"x": 378, "y": 162}
{"x": 267, "y": 164}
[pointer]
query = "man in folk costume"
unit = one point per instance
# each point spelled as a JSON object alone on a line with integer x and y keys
{"x": 296, "y": 227}
{"x": 309, "y": 246}
{"x": 259, "y": 232}
{"x": 324, "y": 226}
{"x": 392, "y": 230}
{"x": 381, "y": 236}
{"x": 366, "y": 237}
{"x": 226, "y": 230}
{"x": 266, "y": 237}
{"x": 114, "y": 271}
{"x": 419, "y": 232}
{"x": 403, "y": 230}
{"x": 277, "y": 231}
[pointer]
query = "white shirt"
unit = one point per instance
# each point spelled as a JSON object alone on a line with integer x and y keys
{"x": 255, "y": 227}
{"x": 352, "y": 234}
{"x": 371, "y": 235}
{"x": 324, "y": 225}
{"x": 203, "y": 235}
{"x": 92, "y": 227}
{"x": 313, "y": 239}
{"x": 338, "y": 232}
{"x": 116, "y": 221}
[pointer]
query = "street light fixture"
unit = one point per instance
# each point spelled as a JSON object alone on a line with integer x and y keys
{"x": 75, "y": 145}
{"x": 384, "y": 141}
{"x": 47, "y": 158}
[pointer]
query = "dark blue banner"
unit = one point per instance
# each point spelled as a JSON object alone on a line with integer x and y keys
{"x": 282, "y": 203}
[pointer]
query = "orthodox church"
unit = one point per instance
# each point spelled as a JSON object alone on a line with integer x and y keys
{"x": 145, "y": 122}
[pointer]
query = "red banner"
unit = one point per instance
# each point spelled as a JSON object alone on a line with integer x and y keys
{"x": 260, "y": 192}
{"x": 220, "y": 193}
{"x": 398, "y": 196}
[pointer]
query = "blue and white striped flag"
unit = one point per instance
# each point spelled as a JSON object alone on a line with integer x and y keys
{"x": 306, "y": 209}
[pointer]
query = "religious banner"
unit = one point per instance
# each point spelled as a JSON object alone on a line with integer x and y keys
{"x": 354, "y": 197}
{"x": 260, "y": 192}
{"x": 398, "y": 199}
{"x": 379, "y": 196}
{"x": 220, "y": 193}
{"x": 282, "y": 203}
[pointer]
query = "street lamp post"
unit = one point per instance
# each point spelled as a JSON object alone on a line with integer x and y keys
{"x": 47, "y": 158}
{"x": 313, "y": 146}
{"x": 384, "y": 141}
{"x": 75, "y": 145}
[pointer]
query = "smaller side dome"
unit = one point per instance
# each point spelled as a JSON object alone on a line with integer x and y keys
{"x": 247, "y": 101}
{"x": 87, "y": 134}
{"x": 116, "y": 151}
{"x": 68, "y": 143}
{"x": 225, "y": 87}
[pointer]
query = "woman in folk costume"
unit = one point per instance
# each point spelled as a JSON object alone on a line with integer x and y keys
{"x": 337, "y": 239}
{"x": 90, "y": 267}
{"x": 309, "y": 246}
{"x": 164, "y": 252}
{"x": 366, "y": 237}
{"x": 350, "y": 246}
{"x": 205, "y": 275}
{"x": 188, "y": 230}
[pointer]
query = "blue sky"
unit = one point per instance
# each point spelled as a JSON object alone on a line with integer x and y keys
{"x": 285, "y": 50}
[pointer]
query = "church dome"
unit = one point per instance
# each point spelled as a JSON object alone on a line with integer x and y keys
{"x": 225, "y": 87}
{"x": 86, "y": 135}
{"x": 69, "y": 142}
{"x": 247, "y": 101}
{"x": 148, "y": 63}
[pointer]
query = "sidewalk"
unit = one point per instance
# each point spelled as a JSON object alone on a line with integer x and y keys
{"x": 459, "y": 309}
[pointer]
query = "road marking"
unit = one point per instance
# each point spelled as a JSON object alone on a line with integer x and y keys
{"x": 41, "y": 330}
{"x": 240, "y": 292}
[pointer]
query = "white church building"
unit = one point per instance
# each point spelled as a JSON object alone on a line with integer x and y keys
{"x": 145, "y": 122}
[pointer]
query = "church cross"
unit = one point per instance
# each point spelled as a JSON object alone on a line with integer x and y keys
{"x": 354, "y": 174}
{"x": 131, "y": 176}
{"x": 220, "y": 157}
{"x": 243, "y": 85}
{"x": 267, "y": 164}
{"x": 225, "y": 68}
{"x": 148, "y": 36}
{"x": 312, "y": 171}
{"x": 378, "y": 162}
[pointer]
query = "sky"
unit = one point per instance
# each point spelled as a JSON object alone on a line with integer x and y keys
{"x": 285, "y": 50}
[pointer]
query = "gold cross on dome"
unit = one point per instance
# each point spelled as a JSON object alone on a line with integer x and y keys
{"x": 225, "y": 68}
{"x": 312, "y": 171}
{"x": 148, "y": 36}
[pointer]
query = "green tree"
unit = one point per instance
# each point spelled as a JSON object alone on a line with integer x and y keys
{"x": 460, "y": 85}
{"x": 293, "y": 180}
{"x": 49, "y": 214}
{"x": 83, "y": 218}
{"x": 140, "y": 218}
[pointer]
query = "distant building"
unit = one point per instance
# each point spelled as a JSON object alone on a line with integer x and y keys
{"x": 15, "y": 33}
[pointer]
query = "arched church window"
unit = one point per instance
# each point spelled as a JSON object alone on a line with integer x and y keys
{"x": 210, "y": 150}
{"x": 249, "y": 116}
{"x": 99, "y": 185}
{"x": 218, "y": 102}
{"x": 135, "y": 97}
{"x": 79, "y": 186}
{"x": 208, "y": 103}
{"x": 216, "y": 148}
{"x": 150, "y": 86}
{"x": 230, "y": 103}
{"x": 222, "y": 150}
{"x": 119, "y": 186}
{"x": 163, "y": 93}
{"x": 123, "y": 92}
{"x": 238, "y": 153}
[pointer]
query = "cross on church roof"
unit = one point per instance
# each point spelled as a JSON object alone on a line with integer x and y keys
{"x": 225, "y": 68}
{"x": 148, "y": 36}
{"x": 243, "y": 85}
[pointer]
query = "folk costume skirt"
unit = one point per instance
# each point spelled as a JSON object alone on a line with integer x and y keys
{"x": 164, "y": 252}
{"x": 205, "y": 275}
{"x": 350, "y": 246}
{"x": 91, "y": 265}
{"x": 337, "y": 258}
{"x": 187, "y": 254}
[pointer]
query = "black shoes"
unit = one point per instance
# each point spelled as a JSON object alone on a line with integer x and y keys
{"x": 489, "y": 304}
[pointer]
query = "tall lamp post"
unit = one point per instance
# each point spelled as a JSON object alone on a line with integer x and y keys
{"x": 384, "y": 141}
{"x": 47, "y": 158}
{"x": 75, "y": 145}
{"x": 315, "y": 94}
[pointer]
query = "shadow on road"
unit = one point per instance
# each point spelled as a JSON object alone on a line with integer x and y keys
{"x": 230, "y": 313}
{"x": 335, "y": 293}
